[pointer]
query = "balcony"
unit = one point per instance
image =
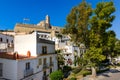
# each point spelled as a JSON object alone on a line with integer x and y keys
{"x": 45, "y": 66}
{"x": 28, "y": 72}
{"x": 45, "y": 78}
{"x": 44, "y": 52}
{"x": 51, "y": 63}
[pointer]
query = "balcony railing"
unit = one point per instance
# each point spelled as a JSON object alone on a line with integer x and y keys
{"x": 28, "y": 72}
{"x": 44, "y": 52}
{"x": 51, "y": 63}
{"x": 45, "y": 78}
{"x": 45, "y": 66}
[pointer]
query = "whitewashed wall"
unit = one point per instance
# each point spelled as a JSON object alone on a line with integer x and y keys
{"x": 21, "y": 67}
{"x": 9, "y": 69}
{"x": 50, "y": 48}
{"x": 24, "y": 43}
{"x": 14, "y": 69}
{"x": 38, "y": 71}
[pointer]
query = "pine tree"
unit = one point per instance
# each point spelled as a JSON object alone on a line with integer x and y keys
{"x": 77, "y": 23}
{"x": 99, "y": 37}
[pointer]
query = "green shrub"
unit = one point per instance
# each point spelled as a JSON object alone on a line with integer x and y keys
{"x": 73, "y": 78}
{"x": 56, "y": 75}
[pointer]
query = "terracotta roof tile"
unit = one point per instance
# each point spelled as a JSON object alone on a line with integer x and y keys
{"x": 11, "y": 56}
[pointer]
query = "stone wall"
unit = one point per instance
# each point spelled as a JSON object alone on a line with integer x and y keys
{"x": 29, "y": 28}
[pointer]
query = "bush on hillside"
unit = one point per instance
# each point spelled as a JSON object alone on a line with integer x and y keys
{"x": 56, "y": 75}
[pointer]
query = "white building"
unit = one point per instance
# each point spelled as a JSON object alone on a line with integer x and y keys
{"x": 34, "y": 59}
{"x": 44, "y": 35}
{"x": 63, "y": 43}
{"x": 69, "y": 50}
{"x": 6, "y": 43}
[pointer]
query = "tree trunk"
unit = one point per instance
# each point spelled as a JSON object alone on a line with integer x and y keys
{"x": 93, "y": 72}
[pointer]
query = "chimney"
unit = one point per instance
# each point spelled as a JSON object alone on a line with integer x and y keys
{"x": 15, "y": 55}
{"x": 28, "y": 54}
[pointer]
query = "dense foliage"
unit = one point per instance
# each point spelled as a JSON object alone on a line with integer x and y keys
{"x": 77, "y": 23}
{"x": 91, "y": 27}
{"x": 60, "y": 58}
{"x": 56, "y": 75}
{"x": 117, "y": 47}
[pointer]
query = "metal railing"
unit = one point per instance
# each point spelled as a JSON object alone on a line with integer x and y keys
{"x": 45, "y": 78}
{"x": 51, "y": 63}
{"x": 45, "y": 66}
{"x": 28, "y": 72}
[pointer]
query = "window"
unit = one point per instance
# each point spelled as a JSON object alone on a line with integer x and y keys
{"x": 67, "y": 54}
{"x": 39, "y": 61}
{"x": 51, "y": 63}
{"x": 50, "y": 59}
{"x": 66, "y": 42}
{"x": 7, "y": 40}
{"x": 27, "y": 65}
{"x": 62, "y": 41}
{"x": 44, "y": 61}
{"x": 44, "y": 73}
{"x": 44, "y": 76}
{"x": 41, "y": 36}
{"x": 1, "y": 39}
{"x": 1, "y": 71}
{"x": 12, "y": 41}
{"x": 45, "y": 36}
{"x": 44, "y": 49}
